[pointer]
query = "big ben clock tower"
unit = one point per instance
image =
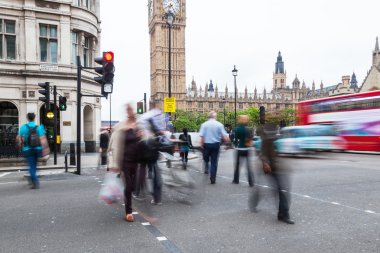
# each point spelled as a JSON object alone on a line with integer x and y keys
{"x": 159, "y": 51}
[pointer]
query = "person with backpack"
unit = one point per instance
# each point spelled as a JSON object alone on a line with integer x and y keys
{"x": 243, "y": 143}
{"x": 185, "y": 146}
{"x": 33, "y": 140}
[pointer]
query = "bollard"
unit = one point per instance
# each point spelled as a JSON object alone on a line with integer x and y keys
{"x": 66, "y": 161}
{"x": 72, "y": 154}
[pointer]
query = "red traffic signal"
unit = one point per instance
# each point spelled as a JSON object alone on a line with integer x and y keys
{"x": 108, "y": 56}
{"x": 106, "y": 71}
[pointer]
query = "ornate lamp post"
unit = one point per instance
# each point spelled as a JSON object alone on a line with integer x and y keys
{"x": 169, "y": 20}
{"x": 234, "y": 73}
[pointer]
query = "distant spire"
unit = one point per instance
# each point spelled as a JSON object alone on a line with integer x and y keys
{"x": 279, "y": 68}
{"x": 211, "y": 87}
{"x": 354, "y": 82}
{"x": 377, "y": 45}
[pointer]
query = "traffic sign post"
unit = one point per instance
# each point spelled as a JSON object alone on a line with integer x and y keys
{"x": 169, "y": 104}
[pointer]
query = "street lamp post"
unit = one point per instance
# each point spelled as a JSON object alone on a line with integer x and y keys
{"x": 224, "y": 112}
{"x": 169, "y": 20}
{"x": 234, "y": 73}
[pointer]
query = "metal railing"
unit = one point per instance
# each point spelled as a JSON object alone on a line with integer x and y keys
{"x": 8, "y": 146}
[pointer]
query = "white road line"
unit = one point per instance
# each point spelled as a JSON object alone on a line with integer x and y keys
{"x": 145, "y": 224}
{"x": 4, "y": 174}
{"x": 162, "y": 238}
{"x": 135, "y": 213}
{"x": 304, "y": 196}
{"x": 9, "y": 183}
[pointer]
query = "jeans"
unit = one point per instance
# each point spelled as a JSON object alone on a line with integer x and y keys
{"x": 157, "y": 181}
{"x": 211, "y": 150}
{"x": 239, "y": 154}
{"x": 31, "y": 157}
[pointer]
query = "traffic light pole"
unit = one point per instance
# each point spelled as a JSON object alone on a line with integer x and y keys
{"x": 79, "y": 115}
{"x": 55, "y": 124}
{"x": 144, "y": 102}
{"x": 110, "y": 112}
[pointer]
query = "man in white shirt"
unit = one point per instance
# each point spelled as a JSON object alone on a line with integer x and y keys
{"x": 212, "y": 132}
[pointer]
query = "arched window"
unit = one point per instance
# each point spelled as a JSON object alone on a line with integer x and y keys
{"x": 8, "y": 118}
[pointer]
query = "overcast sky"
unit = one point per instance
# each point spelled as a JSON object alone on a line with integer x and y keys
{"x": 319, "y": 40}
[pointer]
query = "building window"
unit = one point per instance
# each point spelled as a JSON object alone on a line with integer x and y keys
{"x": 200, "y": 104}
{"x": 210, "y": 105}
{"x": 48, "y": 43}
{"x": 7, "y": 39}
{"x": 86, "y": 52}
{"x": 88, "y": 4}
{"x": 240, "y": 106}
{"x": 189, "y": 104}
{"x": 74, "y": 47}
{"x": 32, "y": 94}
{"x": 221, "y": 105}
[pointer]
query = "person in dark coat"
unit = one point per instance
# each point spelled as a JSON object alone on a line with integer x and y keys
{"x": 103, "y": 147}
{"x": 130, "y": 160}
{"x": 185, "y": 146}
{"x": 272, "y": 167}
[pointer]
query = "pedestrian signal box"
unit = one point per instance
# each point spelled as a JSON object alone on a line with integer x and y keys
{"x": 140, "y": 107}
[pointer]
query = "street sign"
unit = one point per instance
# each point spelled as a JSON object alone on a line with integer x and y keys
{"x": 169, "y": 105}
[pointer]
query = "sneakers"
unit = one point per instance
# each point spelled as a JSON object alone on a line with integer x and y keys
{"x": 129, "y": 217}
{"x": 156, "y": 203}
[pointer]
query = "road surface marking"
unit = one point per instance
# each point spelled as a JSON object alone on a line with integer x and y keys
{"x": 146, "y": 224}
{"x": 162, "y": 238}
{"x": 4, "y": 174}
{"x": 135, "y": 213}
{"x": 303, "y": 196}
{"x": 9, "y": 183}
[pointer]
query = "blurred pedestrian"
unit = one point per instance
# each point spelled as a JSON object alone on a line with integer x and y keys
{"x": 123, "y": 146}
{"x": 103, "y": 147}
{"x": 152, "y": 123}
{"x": 243, "y": 144}
{"x": 276, "y": 171}
{"x": 185, "y": 145}
{"x": 211, "y": 133}
{"x": 34, "y": 145}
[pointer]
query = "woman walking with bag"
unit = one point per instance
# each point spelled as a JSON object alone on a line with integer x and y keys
{"x": 123, "y": 146}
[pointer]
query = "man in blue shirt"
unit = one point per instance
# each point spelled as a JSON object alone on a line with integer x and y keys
{"x": 29, "y": 137}
{"x": 212, "y": 132}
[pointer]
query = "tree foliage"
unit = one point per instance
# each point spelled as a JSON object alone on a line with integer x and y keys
{"x": 193, "y": 120}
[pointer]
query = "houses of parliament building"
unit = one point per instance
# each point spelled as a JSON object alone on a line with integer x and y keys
{"x": 210, "y": 96}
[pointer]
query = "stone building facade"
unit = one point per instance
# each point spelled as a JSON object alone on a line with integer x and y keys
{"x": 372, "y": 80}
{"x": 39, "y": 42}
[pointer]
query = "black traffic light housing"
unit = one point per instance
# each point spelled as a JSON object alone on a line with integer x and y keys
{"x": 62, "y": 103}
{"x": 140, "y": 107}
{"x": 46, "y": 93}
{"x": 262, "y": 115}
{"x": 106, "y": 71}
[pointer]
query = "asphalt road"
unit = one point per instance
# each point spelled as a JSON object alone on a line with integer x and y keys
{"x": 335, "y": 203}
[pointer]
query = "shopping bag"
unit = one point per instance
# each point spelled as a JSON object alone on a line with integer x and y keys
{"x": 112, "y": 189}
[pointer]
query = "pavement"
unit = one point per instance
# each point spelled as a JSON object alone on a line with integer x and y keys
{"x": 335, "y": 203}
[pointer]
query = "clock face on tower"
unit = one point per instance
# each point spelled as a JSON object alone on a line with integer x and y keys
{"x": 150, "y": 8}
{"x": 171, "y": 6}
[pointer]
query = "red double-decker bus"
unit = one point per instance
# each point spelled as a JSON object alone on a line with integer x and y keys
{"x": 357, "y": 117}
